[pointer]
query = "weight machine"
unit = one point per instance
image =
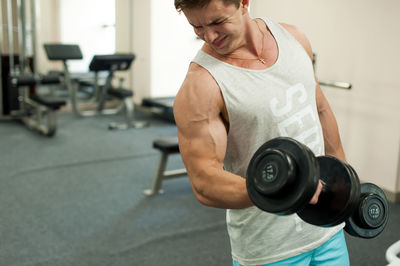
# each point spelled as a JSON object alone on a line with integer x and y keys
{"x": 108, "y": 64}
{"x": 19, "y": 76}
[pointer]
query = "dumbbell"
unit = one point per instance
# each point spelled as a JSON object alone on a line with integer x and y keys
{"x": 283, "y": 176}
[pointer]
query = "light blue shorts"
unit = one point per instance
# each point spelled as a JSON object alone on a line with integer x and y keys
{"x": 332, "y": 252}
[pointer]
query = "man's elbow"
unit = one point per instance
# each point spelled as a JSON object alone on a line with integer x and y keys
{"x": 204, "y": 200}
{"x": 202, "y": 190}
{"x": 201, "y": 195}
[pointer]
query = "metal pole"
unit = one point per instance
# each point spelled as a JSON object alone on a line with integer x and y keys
{"x": 22, "y": 35}
{"x": 33, "y": 36}
{"x": 336, "y": 84}
{"x": 10, "y": 36}
{"x": 1, "y": 59}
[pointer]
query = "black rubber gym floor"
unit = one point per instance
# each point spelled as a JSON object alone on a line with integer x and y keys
{"x": 77, "y": 199}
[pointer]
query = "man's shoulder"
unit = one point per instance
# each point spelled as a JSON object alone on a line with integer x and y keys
{"x": 197, "y": 69}
{"x": 299, "y": 35}
{"x": 198, "y": 96}
{"x": 293, "y": 30}
{"x": 198, "y": 78}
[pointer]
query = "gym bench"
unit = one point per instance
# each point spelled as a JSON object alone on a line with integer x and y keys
{"x": 167, "y": 146}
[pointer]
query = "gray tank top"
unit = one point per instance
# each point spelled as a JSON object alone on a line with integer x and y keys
{"x": 261, "y": 105}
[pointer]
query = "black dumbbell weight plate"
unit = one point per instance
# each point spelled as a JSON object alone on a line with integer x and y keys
{"x": 371, "y": 215}
{"x": 293, "y": 196}
{"x": 339, "y": 197}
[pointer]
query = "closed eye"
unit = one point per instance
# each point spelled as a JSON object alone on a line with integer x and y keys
{"x": 219, "y": 22}
{"x": 214, "y": 23}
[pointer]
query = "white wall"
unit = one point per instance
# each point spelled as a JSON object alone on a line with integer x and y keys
{"x": 89, "y": 23}
{"x": 132, "y": 27}
{"x": 47, "y": 31}
{"x": 161, "y": 38}
{"x": 173, "y": 45}
{"x": 358, "y": 42}
{"x": 75, "y": 22}
{"x": 163, "y": 42}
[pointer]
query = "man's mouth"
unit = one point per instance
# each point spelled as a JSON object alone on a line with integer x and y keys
{"x": 219, "y": 43}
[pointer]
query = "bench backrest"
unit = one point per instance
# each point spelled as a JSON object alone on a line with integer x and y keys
{"x": 57, "y": 51}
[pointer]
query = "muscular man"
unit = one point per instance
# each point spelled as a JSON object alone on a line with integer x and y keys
{"x": 252, "y": 81}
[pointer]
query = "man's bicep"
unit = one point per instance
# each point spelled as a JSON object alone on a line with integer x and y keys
{"x": 202, "y": 145}
{"x": 197, "y": 109}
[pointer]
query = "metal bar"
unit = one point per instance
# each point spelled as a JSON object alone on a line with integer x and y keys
{"x": 96, "y": 86}
{"x": 22, "y": 35}
{"x": 335, "y": 84}
{"x": 340, "y": 85}
{"x": 158, "y": 177}
{"x": 103, "y": 91}
{"x": 33, "y": 36}
{"x": 397, "y": 187}
{"x": 1, "y": 60}
{"x": 174, "y": 173}
{"x": 70, "y": 87}
{"x": 10, "y": 36}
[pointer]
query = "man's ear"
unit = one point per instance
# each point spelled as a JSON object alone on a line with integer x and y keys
{"x": 244, "y": 4}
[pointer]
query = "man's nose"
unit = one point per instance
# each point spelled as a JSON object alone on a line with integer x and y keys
{"x": 210, "y": 35}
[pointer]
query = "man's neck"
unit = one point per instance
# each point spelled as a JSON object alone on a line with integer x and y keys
{"x": 249, "y": 49}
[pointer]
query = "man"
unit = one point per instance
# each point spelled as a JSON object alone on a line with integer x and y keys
{"x": 252, "y": 81}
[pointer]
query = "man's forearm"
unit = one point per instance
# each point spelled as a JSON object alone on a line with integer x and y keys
{"x": 220, "y": 189}
{"x": 333, "y": 143}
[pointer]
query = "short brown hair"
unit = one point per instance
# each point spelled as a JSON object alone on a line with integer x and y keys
{"x": 189, "y": 4}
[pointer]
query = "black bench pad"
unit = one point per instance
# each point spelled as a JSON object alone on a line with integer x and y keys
{"x": 31, "y": 80}
{"x": 167, "y": 144}
{"x": 120, "y": 93}
{"x": 54, "y": 104}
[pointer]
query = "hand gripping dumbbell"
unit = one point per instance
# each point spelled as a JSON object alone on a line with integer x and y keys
{"x": 283, "y": 176}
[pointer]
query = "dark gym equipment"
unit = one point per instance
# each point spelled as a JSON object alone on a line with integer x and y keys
{"x": 283, "y": 176}
{"x": 161, "y": 107}
{"x": 99, "y": 63}
{"x": 32, "y": 108}
{"x": 112, "y": 63}
{"x": 65, "y": 53}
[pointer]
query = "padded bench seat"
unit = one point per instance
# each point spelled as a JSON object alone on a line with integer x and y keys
{"x": 54, "y": 104}
{"x": 120, "y": 93}
{"x": 167, "y": 146}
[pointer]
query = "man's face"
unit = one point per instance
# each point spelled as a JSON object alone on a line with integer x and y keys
{"x": 219, "y": 25}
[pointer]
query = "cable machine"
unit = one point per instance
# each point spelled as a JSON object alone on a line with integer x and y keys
{"x": 18, "y": 69}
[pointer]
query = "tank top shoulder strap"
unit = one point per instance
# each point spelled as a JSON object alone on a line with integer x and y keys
{"x": 206, "y": 61}
{"x": 285, "y": 40}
